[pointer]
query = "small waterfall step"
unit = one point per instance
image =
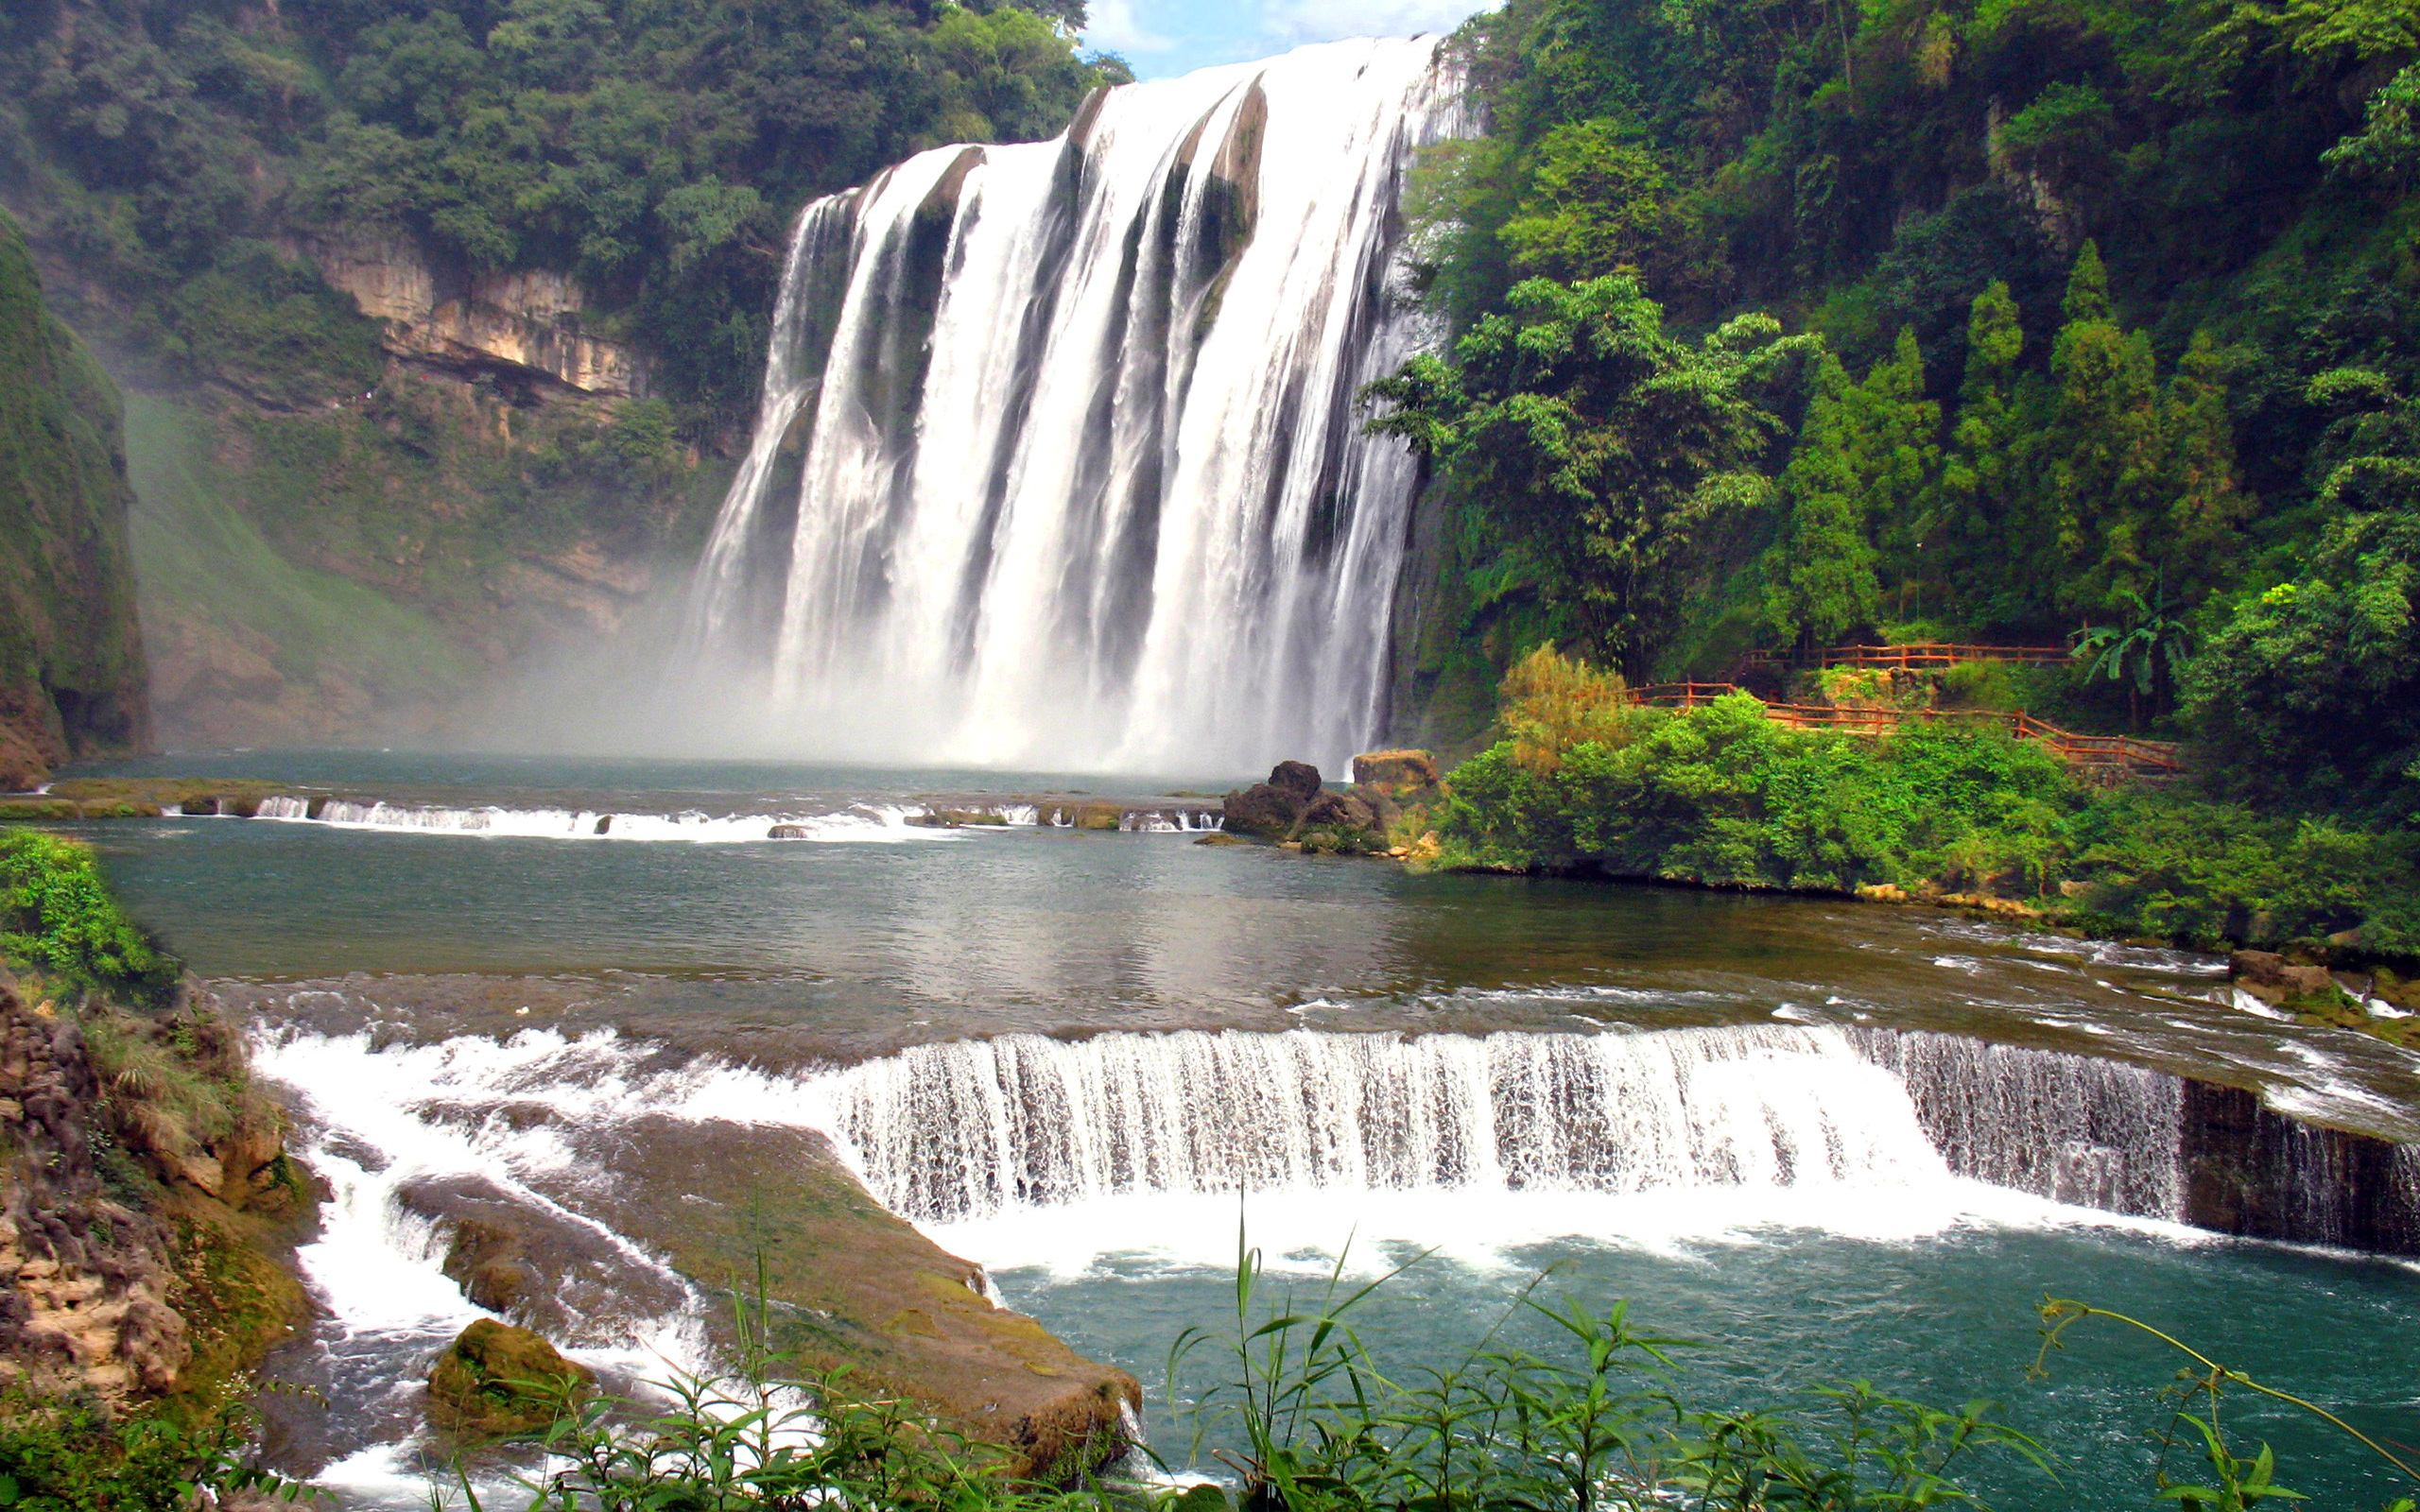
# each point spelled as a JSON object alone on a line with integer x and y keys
{"x": 969, "y": 1127}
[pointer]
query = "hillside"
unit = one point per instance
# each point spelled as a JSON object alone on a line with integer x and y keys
{"x": 2030, "y": 322}
{"x": 446, "y": 320}
{"x": 71, "y": 653}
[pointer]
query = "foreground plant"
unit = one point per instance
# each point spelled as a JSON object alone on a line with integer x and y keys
{"x": 2236, "y": 1483}
{"x": 1598, "y": 1423}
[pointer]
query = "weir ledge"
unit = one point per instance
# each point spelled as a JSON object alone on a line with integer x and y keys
{"x": 2234, "y": 1165}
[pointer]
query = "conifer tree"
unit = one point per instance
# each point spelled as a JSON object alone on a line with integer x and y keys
{"x": 2102, "y": 446}
{"x": 1975, "y": 501}
{"x": 2205, "y": 505}
{"x": 1896, "y": 446}
{"x": 1818, "y": 578}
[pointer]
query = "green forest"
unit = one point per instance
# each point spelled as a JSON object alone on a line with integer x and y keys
{"x": 2028, "y": 321}
{"x": 2076, "y": 324}
{"x": 164, "y": 149}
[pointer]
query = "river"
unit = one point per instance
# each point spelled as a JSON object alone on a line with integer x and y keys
{"x": 1061, "y": 1051}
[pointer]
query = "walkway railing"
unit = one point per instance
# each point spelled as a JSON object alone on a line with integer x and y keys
{"x": 2106, "y": 752}
{"x": 1920, "y": 656}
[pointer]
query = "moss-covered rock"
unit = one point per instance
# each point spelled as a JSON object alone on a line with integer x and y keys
{"x": 496, "y": 1380}
{"x": 71, "y": 651}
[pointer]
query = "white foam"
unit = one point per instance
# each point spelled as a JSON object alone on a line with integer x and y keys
{"x": 1304, "y": 1231}
{"x": 880, "y": 823}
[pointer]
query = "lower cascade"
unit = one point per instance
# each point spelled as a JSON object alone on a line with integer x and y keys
{"x": 1058, "y": 461}
{"x": 965, "y": 1128}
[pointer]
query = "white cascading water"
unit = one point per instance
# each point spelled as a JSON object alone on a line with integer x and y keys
{"x": 1029, "y": 1151}
{"x": 1057, "y": 462}
{"x": 969, "y": 1127}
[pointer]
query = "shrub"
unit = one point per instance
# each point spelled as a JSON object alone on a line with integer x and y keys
{"x": 57, "y": 920}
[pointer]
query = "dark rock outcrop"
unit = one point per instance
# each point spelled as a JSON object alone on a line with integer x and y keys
{"x": 1263, "y": 809}
{"x": 2253, "y": 1171}
{"x": 1293, "y": 806}
{"x": 71, "y": 651}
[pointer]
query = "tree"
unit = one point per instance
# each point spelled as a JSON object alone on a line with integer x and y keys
{"x": 1613, "y": 458}
{"x": 1896, "y": 443}
{"x": 1819, "y": 575}
{"x": 1980, "y": 491}
{"x": 1599, "y": 201}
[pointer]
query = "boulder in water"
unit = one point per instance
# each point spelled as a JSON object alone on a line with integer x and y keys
{"x": 496, "y": 1380}
{"x": 787, "y": 831}
{"x": 1262, "y": 810}
{"x": 1298, "y": 780}
{"x": 1273, "y": 809}
{"x": 2266, "y": 976}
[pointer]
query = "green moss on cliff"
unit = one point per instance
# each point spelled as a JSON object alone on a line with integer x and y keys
{"x": 71, "y": 656}
{"x": 232, "y": 615}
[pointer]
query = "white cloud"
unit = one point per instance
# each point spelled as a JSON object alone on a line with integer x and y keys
{"x": 1292, "y": 23}
{"x": 1162, "y": 38}
{"x": 1111, "y": 27}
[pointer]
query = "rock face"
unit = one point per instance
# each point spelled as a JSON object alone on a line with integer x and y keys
{"x": 71, "y": 651}
{"x": 528, "y": 320}
{"x": 1395, "y": 772}
{"x": 496, "y": 1380}
{"x": 88, "y": 1272}
{"x": 2250, "y": 1170}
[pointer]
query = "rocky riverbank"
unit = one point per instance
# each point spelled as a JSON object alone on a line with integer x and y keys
{"x": 149, "y": 1204}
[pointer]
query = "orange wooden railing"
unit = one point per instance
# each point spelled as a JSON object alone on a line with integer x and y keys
{"x": 2124, "y": 752}
{"x": 1923, "y": 656}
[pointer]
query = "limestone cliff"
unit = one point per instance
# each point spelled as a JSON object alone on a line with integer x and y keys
{"x": 71, "y": 652}
{"x": 465, "y": 320}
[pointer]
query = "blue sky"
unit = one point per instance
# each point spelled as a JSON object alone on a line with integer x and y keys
{"x": 1163, "y": 38}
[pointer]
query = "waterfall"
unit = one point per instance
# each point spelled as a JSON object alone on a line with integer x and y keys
{"x": 964, "y": 1128}
{"x": 2094, "y": 1133}
{"x": 1057, "y": 462}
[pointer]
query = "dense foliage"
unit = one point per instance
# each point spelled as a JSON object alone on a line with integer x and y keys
{"x": 58, "y": 918}
{"x": 174, "y": 148}
{"x": 2115, "y": 304}
{"x": 71, "y": 661}
{"x": 1726, "y": 796}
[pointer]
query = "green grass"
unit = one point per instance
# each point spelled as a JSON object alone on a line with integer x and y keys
{"x": 199, "y": 558}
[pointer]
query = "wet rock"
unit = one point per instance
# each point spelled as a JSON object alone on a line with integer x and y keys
{"x": 1220, "y": 837}
{"x": 2266, "y": 976}
{"x": 787, "y": 831}
{"x": 855, "y": 1284}
{"x": 496, "y": 1380}
{"x": 953, "y": 818}
{"x": 1298, "y": 780}
{"x": 1395, "y": 772}
{"x": 539, "y": 1268}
